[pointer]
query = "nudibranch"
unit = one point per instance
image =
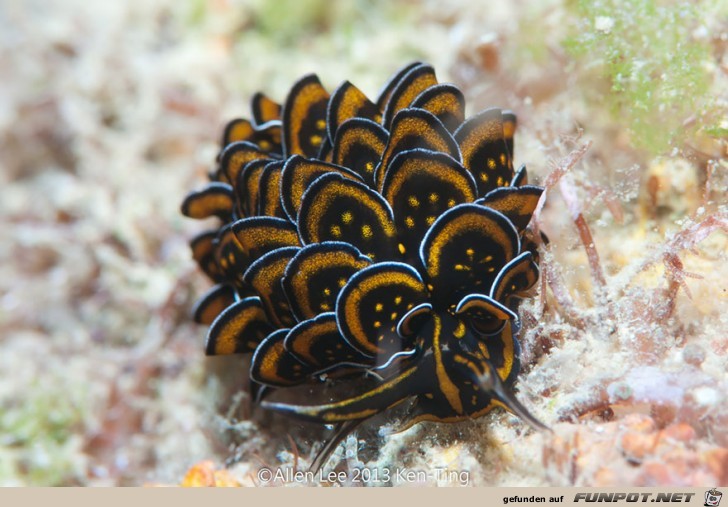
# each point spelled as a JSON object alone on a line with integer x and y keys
{"x": 384, "y": 239}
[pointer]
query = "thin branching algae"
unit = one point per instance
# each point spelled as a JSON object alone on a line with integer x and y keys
{"x": 382, "y": 245}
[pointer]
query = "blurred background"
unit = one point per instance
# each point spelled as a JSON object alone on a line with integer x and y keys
{"x": 110, "y": 112}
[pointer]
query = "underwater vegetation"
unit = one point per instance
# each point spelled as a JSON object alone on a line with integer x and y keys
{"x": 657, "y": 60}
{"x": 377, "y": 244}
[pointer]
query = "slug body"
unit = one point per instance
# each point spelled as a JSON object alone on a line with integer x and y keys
{"x": 383, "y": 239}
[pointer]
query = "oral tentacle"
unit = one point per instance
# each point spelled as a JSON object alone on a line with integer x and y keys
{"x": 362, "y": 406}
